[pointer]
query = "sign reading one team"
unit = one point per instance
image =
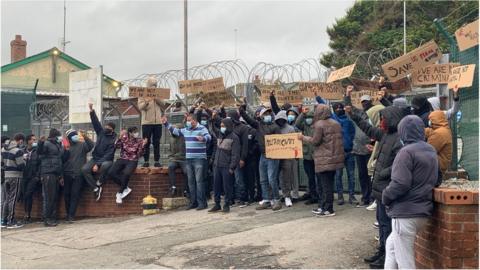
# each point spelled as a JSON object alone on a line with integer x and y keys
{"x": 283, "y": 146}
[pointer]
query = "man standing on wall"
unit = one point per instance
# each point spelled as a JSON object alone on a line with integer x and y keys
{"x": 152, "y": 111}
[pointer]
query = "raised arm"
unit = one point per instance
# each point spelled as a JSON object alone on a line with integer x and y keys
{"x": 273, "y": 103}
{"x": 252, "y": 122}
{"x": 300, "y": 122}
{"x": 97, "y": 126}
{"x": 369, "y": 130}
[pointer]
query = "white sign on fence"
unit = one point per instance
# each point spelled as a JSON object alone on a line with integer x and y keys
{"x": 85, "y": 87}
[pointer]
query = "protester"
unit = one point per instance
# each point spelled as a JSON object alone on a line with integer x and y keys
{"x": 52, "y": 157}
{"x": 252, "y": 174}
{"x": 305, "y": 123}
{"x": 5, "y": 140}
{"x": 408, "y": 197}
{"x": 176, "y": 159}
{"x": 196, "y": 136}
{"x": 287, "y": 166}
{"x": 131, "y": 149}
{"x": 102, "y": 155}
{"x": 12, "y": 157}
{"x": 328, "y": 155}
{"x": 31, "y": 176}
{"x": 227, "y": 159}
{"x": 348, "y": 134}
{"x": 421, "y": 107}
{"x": 152, "y": 111}
{"x": 439, "y": 135}
{"x": 292, "y": 114}
{"x": 389, "y": 145}
{"x": 268, "y": 167}
{"x": 435, "y": 103}
{"x": 79, "y": 146}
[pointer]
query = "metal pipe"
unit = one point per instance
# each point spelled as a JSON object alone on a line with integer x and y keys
{"x": 404, "y": 27}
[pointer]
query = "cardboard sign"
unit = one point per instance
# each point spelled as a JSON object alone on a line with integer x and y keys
{"x": 467, "y": 36}
{"x": 397, "y": 87}
{"x": 432, "y": 74}
{"x": 283, "y": 146}
{"x": 356, "y": 95}
{"x": 213, "y": 85}
{"x": 190, "y": 86}
{"x": 461, "y": 76}
{"x": 265, "y": 91}
{"x": 400, "y": 67}
{"x": 153, "y": 92}
{"x": 212, "y": 99}
{"x": 332, "y": 91}
{"x": 85, "y": 87}
{"x": 342, "y": 73}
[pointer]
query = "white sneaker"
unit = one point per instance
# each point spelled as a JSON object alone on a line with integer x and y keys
{"x": 288, "y": 202}
{"x": 264, "y": 201}
{"x": 126, "y": 192}
{"x": 317, "y": 211}
{"x": 372, "y": 207}
{"x": 119, "y": 198}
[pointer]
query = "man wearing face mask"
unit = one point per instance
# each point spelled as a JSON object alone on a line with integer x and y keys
{"x": 80, "y": 146}
{"x": 348, "y": 132}
{"x": 102, "y": 155}
{"x": 131, "y": 149}
{"x": 196, "y": 138}
{"x": 268, "y": 167}
{"x": 31, "y": 176}
{"x": 12, "y": 157}
{"x": 52, "y": 158}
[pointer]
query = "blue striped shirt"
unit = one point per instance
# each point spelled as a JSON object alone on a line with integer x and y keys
{"x": 194, "y": 149}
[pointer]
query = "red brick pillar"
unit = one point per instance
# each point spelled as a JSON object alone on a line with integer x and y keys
{"x": 450, "y": 239}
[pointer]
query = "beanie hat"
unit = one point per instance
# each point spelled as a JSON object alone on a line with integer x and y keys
{"x": 70, "y": 133}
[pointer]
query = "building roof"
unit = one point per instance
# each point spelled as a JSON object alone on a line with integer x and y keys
{"x": 46, "y": 54}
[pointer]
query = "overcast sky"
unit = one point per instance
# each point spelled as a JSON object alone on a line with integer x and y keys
{"x": 133, "y": 37}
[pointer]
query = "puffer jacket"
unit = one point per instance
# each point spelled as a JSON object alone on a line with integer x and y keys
{"x": 414, "y": 173}
{"x": 228, "y": 148}
{"x": 387, "y": 147}
{"x": 327, "y": 141}
{"x": 151, "y": 111}
{"x": 307, "y": 130}
{"x": 52, "y": 156}
{"x": 439, "y": 136}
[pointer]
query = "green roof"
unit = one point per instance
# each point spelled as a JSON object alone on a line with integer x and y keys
{"x": 46, "y": 54}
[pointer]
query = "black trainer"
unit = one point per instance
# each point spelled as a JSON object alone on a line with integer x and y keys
{"x": 146, "y": 165}
{"x": 157, "y": 164}
{"x": 215, "y": 208}
{"x": 191, "y": 206}
{"x": 226, "y": 209}
{"x": 379, "y": 263}
{"x": 373, "y": 258}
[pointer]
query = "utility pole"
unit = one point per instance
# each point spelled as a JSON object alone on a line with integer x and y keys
{"x": 236, "y": 31}
{"x": 185, "y": 38}
{"x": 64, "y": 41}
{"x": 404, "y": 27}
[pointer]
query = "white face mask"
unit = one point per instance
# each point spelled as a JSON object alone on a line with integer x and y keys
{"x": 136, "y": 135}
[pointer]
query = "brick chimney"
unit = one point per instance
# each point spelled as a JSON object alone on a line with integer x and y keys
{"x": 18, "y": 49}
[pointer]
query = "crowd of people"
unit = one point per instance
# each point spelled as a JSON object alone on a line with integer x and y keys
{"x": 400, "y": 151}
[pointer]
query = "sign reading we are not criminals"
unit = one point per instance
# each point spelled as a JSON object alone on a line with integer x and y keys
{"x": 432, "y": 74}
{"x": 283, "y": 146}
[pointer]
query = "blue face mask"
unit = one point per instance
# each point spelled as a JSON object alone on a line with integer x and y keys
{"x": 309, "y": 121}
{"x": 188, "y": 124}
{"x": 429, "y": 123}
{"x": 223, "y": 130}
{"x": 59, "y": 138}
{"x": 75, "y": 138}
{"x": 203, "y": 122}
{"x": 267, "y": 119}
{"x": 34, "y": 144}
{"x": 290, "y": 118}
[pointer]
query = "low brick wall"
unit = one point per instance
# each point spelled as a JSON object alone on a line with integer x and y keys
{"x": 143, "y": 180}
{"x": 450, "y": 239}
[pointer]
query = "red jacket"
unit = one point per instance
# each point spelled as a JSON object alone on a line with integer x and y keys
{"x": 130, "y": 148}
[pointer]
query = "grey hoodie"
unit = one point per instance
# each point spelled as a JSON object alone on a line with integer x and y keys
{"x": 435, "y": 102}
{"x": 414, "y": 173}
{"x": 285, "y": 129}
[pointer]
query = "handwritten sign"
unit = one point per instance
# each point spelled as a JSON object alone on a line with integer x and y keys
{"x": 213, "y": 85}
{"x": 396, "y": 87}
{"x": 85, "y": 87}
{"x": 467, "y": 36}
{"x": 265, "y": 91}
{"x": 461, "y": 76}
{"x": 356, "y": 95}
{"x": 432, "y": 74}
{"x": 283, "y": 146}
{"x": 212, "y": 99}
{"x": 342, "y": 73}
{"x": 325, "y": 90}
{"x": 190, "y": 86}
{"x": 137, "y": 91}
{"x": 400, "y": 67}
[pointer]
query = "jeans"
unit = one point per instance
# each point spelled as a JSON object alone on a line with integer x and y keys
{"x": 384, "y": 225}
{"x": 102, "y": 172}
{"x": 269, "y": 177}
{"x": 325, "y": 196}
{"x": 50, "y": 190}
{"x": 153, "y": 133}
{"x": 239, "y": 188}
{"x": 400, "y": 248}
{"x": 72, "y": 191}
{"x": 196, "y": 182}
{"x": 364, "y": 179}
{"x": 251, "y": 175}
{"x": 32, "y": 185}
{"x": 12, "y": 189}
{"x": 223, "y": 180}
{"x": 121, "y": 171}
{"x": 309, "y": 167}
{"x": 172, "y": 177}
{"x": 350, "y": 166}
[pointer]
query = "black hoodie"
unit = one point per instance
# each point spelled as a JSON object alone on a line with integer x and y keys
{"x": 228, "y": 148}
{"x": 242, "y": 132}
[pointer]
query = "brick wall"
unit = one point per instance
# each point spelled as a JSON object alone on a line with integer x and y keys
{"x": 450, "y": 239}
{"x": 139, "y": 183}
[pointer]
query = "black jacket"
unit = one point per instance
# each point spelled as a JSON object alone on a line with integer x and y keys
{"x": 388, "y": 146}
{"x": 105, "y": 145}
{"x": 77, "y": 157}
{"x": 414, "y": 173}
{"x": 52, "y": 155}
{"x": 262, "y": 129}
{"x": 32, "y": 164}
{"x": 228, "y": 148}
